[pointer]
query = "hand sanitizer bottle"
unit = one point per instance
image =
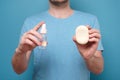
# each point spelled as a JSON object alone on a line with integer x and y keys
{"x": 43, "y": 33}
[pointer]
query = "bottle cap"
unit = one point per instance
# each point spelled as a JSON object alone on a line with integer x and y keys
{"x": 43, "y": 29}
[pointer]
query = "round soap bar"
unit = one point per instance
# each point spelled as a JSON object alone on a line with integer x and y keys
{"x": 82, "y": 35}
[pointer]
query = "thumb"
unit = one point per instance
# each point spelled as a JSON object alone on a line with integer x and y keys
{"x": 38, "y": 25}
{"x": 74, "y": 39}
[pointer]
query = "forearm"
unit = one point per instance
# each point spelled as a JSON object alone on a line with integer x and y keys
{"x": 20, "y": 61}
{"x": 96, "y": 63}
{"x": 29, "y": 40}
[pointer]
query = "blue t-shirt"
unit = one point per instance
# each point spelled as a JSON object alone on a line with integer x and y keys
{"x": 61, "y": 59}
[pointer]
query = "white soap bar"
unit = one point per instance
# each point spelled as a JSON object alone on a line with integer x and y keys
{"x": 82, "y": 34}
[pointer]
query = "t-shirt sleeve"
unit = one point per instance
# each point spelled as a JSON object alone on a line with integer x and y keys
{"x": 97, "y": 26}
{"x": 25, "y": 27}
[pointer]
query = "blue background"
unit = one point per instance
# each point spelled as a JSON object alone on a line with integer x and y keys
{"x": 14, "y": 12}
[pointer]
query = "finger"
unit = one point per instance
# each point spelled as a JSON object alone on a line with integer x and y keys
{"x": 74, "y": 38}
{"x": 89, "y": 27}
{"x": 34, "y": 39}
{"x": 38, "y": 26}
{"x": 94, "y": 40}
{"x": 96, "y": 35}
{"x": 93, "y": 31}
{"x": 29, "y": 42}
{"x": 35, "y": 33}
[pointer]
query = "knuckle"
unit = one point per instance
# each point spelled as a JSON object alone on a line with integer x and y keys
{"x": 31, "y": 43}
{"x": 31, "y": 31}
{"x": 28, "y": 36}
{"x": 97, "y": 40}
{"x": 25, "y": 41}
{"x": 24, "y": 34}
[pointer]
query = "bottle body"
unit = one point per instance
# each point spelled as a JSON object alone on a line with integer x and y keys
{"x": 43, "y": 41}
{"x": 43, "y": 32}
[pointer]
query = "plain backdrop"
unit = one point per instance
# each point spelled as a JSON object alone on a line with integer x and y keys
{"x": 14, "y": 12}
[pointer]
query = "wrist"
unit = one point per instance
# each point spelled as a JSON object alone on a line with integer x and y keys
{"x": 19, "y": 50}
{"x": 92, "y": 56}
{"x": 88, "y": 57}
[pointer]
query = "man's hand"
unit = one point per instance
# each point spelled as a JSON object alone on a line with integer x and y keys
{"x": 30, "y": 39}
{"x": 28, "y": 42}
{"x": 88, "y": 50}
{"x": 91, "y": 55}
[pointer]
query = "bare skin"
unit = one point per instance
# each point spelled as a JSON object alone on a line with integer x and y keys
{"x": 91, "y": 55}
{"x": 23, "y": 51}
{"x": 28, "y": 42}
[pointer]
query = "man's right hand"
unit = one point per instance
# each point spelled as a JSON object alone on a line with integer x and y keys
{"x": 30, "y": 39}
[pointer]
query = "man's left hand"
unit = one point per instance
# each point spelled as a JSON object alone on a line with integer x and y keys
{"x": 88, "y": 50}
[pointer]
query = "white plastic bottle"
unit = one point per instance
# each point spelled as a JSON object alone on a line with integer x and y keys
{"x": 43, "y": 33}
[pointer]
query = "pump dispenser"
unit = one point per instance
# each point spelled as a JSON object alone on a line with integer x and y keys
{"x": 43, "y": 29}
